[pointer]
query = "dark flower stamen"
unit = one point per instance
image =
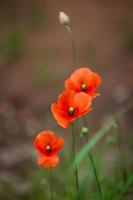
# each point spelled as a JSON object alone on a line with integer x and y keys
{"x": 48, "y": 149}
{"x": 71, "y": 111}
{"x": 84, "y": 87}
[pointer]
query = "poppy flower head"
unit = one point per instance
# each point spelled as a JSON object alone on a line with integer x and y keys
{"x": 48, "y": 145}
{"x": 84, "y": 80}
{"x": 70, "y": 105}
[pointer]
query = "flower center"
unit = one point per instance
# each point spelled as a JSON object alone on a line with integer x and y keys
{"x": 71, "y": 111}
{"x": 48, "y": 148}
{"x": 84, "y": 87}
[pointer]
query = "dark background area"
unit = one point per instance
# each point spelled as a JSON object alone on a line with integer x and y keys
{"x": 35, "y": 60}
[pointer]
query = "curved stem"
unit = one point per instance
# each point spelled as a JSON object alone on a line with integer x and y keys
{"x": 51, "y": 184}
{"x": 73, "y": 157}
{"x": 73, "y": 46}
{"x": 96, "y": 175}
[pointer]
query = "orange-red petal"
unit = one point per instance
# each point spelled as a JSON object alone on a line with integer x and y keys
{"x": 58, "y": 144}
{"x": 48, "y": 161}
{"x": 81, "y": 75}
{"x": 60, "y": 116}
{"x": 94, "y": 83}
{"x": 48, "y": 138}
{"x": 65, "y": 99}
{"x": 84, "y": 76}
{"x": 69, "y": 85}
{"x": 43, "y": 139}
{"x": 82, "y": 103}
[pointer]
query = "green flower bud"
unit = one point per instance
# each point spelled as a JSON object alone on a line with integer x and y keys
{"x": 84, "y": 132}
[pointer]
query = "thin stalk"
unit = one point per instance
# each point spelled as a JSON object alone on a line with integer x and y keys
{"x": 51, "y": 184}
{"x": 121, "y": 152}
{"x": 74, "y": 56}
{"x": 73, "y": 157}
{"x": 96, "y": 175}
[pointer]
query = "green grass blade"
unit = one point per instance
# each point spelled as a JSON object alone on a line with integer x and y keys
{"x": 99, "y": 134}
{"x": 106, "y": 127}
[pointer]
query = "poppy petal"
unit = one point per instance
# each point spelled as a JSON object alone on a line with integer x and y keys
{"x": 84, "y": 76}
{"x": 70, "y": 85}
{"x": 60, "y": 116}
{"x": 82, "y": 103}
{"x": 94, "y": 83}
{"x": 81, "y": 75}
{"x": 48, "y": 161}
{"x": 58, "y": 145}
{"x": 66, "y": 99}
{"x": 44, "y": 138}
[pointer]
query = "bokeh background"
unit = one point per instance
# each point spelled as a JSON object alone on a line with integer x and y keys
{"x": 35, "y": 59}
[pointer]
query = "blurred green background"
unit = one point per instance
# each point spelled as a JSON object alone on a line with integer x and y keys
{"x": 35, "y": 60}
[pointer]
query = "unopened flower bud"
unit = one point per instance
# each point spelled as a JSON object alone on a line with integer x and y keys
{"x": 64, "y": 19}
{"x": 84, "y": 131}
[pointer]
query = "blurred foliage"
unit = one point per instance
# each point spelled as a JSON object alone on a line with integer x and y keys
{"x": 128, "y": 39}
{"x": 41, "y": 74}
{"x": 12, "y": 44}
{"x": 114, "y": 188}
{"x": 110, "y": 139}
{"x": 15, "y": 23}
{"x": 127, "y": 35}
{"x": 37, "y": 14}
{"x": 33, "y": 184}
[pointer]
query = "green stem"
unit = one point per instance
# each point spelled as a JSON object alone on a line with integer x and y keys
{"x": 96, "y": 175}
{"x": 121, "y": 152}
{"x": 73, "y": 157}
{"x": 51, "y": 184}
{"x": 73, "y": 46}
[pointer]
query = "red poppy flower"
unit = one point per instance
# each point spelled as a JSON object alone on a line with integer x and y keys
{"x": 84, "y": 80}
{"x": 70, "y": 105}
{"x": 48, "y": 144}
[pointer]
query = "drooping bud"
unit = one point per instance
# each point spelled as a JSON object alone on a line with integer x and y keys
{"x": 64, "y": 19}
